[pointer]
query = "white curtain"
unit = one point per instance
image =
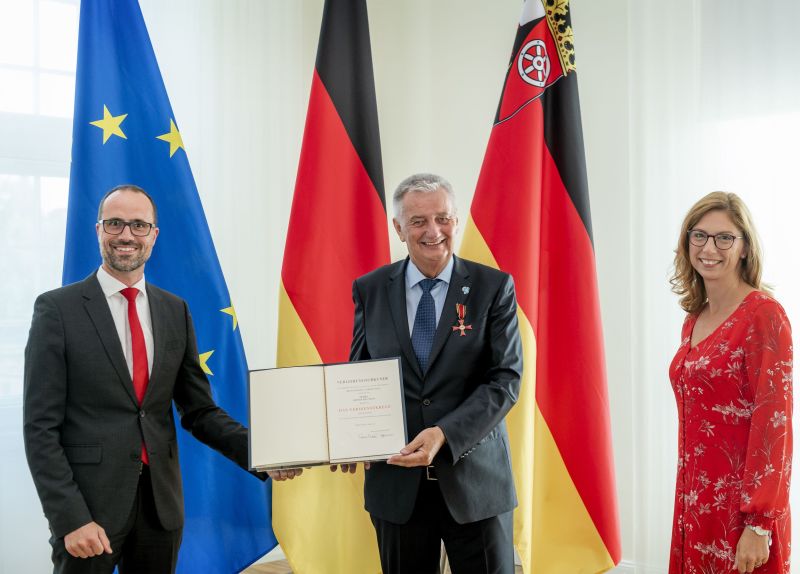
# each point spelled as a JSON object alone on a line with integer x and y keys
{"x": 679, "y": 98}
{"x": 713, "y": 105}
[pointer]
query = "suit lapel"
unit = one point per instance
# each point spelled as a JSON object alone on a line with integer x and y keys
{"x": 157, "y": 316}
{"x": 459, "y": 280}
{"x": 97, "y": 308}
{"x": 396, "y": 288}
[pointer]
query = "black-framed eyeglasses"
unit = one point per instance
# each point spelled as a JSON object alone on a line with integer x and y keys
{"x": 723, "y": 241}
{"x": 117, "y": 226}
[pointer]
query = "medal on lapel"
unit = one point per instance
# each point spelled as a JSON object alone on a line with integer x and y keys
{"x": 461, "y": 309}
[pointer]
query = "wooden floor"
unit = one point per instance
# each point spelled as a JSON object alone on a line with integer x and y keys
{"x": 278, "y": 567}
{"x": 282, "y": 567}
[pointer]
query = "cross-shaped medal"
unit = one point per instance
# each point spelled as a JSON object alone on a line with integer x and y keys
{"x": 462, "y": 311}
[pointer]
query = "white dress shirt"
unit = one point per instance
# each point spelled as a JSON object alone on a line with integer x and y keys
{"x": 118, "y": 305}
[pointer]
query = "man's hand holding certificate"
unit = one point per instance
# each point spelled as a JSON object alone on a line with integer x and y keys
{"x": 419, "y": 452}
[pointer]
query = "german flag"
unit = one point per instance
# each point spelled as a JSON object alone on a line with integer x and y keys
{"x": 337, "y": 232}
{"x": 530, "y": 217}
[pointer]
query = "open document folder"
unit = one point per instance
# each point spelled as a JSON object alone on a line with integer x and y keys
{"x": 326, "y": 414}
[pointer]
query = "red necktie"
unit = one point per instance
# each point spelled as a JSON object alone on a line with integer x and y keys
{"x": 140, "y": 375}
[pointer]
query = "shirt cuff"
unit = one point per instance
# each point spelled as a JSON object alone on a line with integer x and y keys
{"x": 759, "y": 520}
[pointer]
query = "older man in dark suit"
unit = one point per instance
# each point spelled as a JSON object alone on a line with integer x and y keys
{"x": 454, "y": 324}
{"x": 105, "y": 359}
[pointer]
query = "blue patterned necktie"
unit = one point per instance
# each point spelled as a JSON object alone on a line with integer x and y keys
{"x": 424, "y": 324}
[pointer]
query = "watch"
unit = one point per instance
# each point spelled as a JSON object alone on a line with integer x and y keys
{"x": 761, "y": 532}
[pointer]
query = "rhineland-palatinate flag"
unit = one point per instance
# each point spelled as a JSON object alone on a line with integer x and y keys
{"x": 124, "y": 131}
{"x": 530, "y": 217}
{"x": 337, "y": 231}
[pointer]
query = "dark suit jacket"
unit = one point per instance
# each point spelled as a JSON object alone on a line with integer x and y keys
{"x": 83, "y": 427}
{"x": 471, "y": 383}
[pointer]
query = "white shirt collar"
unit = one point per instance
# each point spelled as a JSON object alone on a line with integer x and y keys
{"x": 111, "y": 285}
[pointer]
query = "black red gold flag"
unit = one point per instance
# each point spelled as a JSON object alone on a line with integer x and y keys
{"x": 337, "y": 232}
{"x": 530, "y": 217}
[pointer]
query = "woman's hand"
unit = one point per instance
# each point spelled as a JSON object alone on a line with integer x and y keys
{"x": 752, "y": 551}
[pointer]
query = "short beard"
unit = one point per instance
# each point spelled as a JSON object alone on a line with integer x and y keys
{"x": 123, "y": 265}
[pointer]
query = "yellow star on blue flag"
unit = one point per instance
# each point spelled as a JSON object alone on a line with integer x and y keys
{"x": 110, "y": 124}
{"x": 173, "y": 136}
{"x": 232, "y": 312}
{"x": 204, "y": 357}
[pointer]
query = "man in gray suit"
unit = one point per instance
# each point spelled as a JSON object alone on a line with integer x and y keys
{"x": 454, "y": 325}
{"x": 105, "y": 359}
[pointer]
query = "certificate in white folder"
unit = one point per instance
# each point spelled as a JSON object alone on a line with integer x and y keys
{"x": 326, "y": 414}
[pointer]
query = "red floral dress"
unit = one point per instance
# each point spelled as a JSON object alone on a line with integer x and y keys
{"x": 734, "y": 395}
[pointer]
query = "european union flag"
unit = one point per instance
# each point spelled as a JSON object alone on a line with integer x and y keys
{"x": 125, "y": 132}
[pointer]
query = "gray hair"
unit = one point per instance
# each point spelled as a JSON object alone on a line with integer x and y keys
{"x": 422, "y": 182}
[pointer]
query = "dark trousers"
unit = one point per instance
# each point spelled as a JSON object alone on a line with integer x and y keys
{"x": 483, "y": 547}
{"x": 142, "y": 547}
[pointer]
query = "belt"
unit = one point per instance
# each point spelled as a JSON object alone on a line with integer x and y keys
{"x": 430, "y": 473}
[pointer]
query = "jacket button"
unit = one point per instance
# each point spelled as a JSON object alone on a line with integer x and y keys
{"x": 426, "y": 402}
{"x": 141, "y": 414}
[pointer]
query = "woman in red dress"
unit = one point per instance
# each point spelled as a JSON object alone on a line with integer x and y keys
{"x": 732, "y": 377}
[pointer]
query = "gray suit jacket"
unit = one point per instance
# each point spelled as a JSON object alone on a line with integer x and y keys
{"x": 83, "y": 427}
{"x": 471, "y": 383}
